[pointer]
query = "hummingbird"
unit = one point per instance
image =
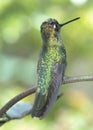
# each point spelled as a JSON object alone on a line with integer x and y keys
{"x": 51, "y": 67}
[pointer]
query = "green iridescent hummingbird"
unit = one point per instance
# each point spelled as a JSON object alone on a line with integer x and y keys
{"x": 51, "y": 67}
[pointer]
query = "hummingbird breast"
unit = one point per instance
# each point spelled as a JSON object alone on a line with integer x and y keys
{"x": 46, "y": 68}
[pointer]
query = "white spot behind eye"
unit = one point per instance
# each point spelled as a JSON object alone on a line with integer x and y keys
{"x": 54, "y": 26}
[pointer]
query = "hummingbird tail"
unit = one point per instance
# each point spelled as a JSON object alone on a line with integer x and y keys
{"x": 38, "y": 106}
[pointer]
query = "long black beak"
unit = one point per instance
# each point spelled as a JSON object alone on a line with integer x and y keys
{"x": 69, "y": 21}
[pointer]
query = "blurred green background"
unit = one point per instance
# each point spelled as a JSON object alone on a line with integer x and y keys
{"x": 20, "y": 43}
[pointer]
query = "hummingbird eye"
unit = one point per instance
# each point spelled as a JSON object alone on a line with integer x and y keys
{"x": 54, "y": 26}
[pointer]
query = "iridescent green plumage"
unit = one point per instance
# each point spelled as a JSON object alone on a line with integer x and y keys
{"x": 51, "y": 68}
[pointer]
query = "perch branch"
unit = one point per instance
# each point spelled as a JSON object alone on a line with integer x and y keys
{"x": 75, "y": 79}
{"x": 31, "y": 90}
{"x": 16, "y": 99}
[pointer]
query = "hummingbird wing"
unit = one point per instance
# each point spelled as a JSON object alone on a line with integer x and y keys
{"x": 57, "y": 78}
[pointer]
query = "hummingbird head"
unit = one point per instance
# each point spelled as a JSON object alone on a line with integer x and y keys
{"x": 51, "y": 28}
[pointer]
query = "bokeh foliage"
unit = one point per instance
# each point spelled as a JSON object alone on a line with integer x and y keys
{"x": 20, "y": 43}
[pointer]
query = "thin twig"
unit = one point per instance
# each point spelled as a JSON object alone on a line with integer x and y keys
{"x": 75, "y": 79}
{"x": 31, "y": 90}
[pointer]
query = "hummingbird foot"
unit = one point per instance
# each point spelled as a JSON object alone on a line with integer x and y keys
{"x": 59, "y": 95}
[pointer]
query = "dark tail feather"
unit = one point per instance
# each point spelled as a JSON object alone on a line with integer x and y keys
{"x": 39, "y": 105}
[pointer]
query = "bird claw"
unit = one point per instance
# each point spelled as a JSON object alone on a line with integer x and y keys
{"x": 59, "y": 95}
